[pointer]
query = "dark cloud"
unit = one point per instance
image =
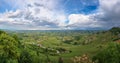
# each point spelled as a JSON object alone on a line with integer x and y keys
{"x": 38, "y": 4}
{"x": 109, "y": 13}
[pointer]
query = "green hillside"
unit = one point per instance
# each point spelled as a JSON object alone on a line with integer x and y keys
{"x": 60, "y": 46}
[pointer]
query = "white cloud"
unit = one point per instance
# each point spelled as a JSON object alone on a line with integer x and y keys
{"x": 35, "y": 13}
{"x": 107, "y": 16}
{"x": 83, "y": 21}
{"x": 78, "y": 18}
{"x": 46, "y": 14}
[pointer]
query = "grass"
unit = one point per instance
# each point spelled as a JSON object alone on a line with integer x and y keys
{"x": 77, "y": 50}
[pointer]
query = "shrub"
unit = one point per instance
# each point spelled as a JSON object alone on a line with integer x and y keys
{"x": 109, "y": 55}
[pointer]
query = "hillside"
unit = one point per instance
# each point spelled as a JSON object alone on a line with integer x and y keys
{"x": 60, "y": 46}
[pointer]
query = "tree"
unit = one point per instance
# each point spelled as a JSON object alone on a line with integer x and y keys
{"x": 2, "y": 32}
{"x": 115, "y": 30}
{"x": 25, "y": 57}
{"x": 110, "y": 55}
{"x": 8, "y": 48}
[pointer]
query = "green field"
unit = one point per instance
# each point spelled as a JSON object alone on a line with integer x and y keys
{"x": 34, "y": 46}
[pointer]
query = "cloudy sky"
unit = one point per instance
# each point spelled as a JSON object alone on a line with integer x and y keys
{"x": 59, "y": 14}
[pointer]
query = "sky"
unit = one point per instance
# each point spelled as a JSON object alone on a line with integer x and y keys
{"x": 59, "y": 14}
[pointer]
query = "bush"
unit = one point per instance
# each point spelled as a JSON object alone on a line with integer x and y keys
{"x": 109, "y": 55}
{"x": 25, "y": 57}
{"x": 8, "y": 49}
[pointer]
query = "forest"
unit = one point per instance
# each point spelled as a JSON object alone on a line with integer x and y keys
{"x": 60, "y": 46}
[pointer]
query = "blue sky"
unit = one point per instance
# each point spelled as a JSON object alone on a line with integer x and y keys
{"x": 80, "y": 6}
{"x": 6, "y": 6}
{"x": 70, "y": 6}
{"x": 59, "y": 14}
